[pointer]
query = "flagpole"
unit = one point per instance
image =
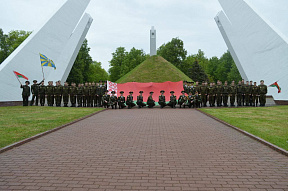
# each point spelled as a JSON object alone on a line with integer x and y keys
{"x": 18, "y": 79}
{"x": 43, "y": 72}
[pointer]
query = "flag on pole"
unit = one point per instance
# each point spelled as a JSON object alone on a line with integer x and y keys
{"x": 276, "y": 86}
{"x": 46, "y": 61}
{"x": 18, "y": 75}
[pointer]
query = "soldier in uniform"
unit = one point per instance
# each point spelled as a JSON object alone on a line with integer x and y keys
{"x": 25, "y": 93}
{"x": 58, "y": 92}
{"x": 35, "y": 92}
{"x": 197, "y": 100}
{"x": 121, "y": 100}
{"x": 190, "y": 101}
{"x": 185, "y": 86}
{"x": 243, "y": 92}
{"x": 50, "y": 93}
{"x": 225, "y": 94}
{"x": 140, "y": 102}
{"x": 93, "y": 97}
{"x": 173, "y": 100}
{"x": 232, "y": 92}
{"x": 66, "y": 92}
{"x": 219, "y": 90}
{"x": 247, "y": 93}
{"x": 42, "y": 93}
{"x": 129, "y": 101}
{"x": 251, "y": 95}
{"x": 73, "y": 93}
{"x": 196, "y": 88}
{"x": 98, "y": 89}
{"x": 191, "y": 88}
{"x": 100, "y": 93}
{"x": 106, "y": 99}
{"x": 79, "y": 95}
{"x": 262, "y": 93}
{"x": 182, "y": 100}
{"x": 86, "y": 95}
{"x": 113, "y": 100}
{"x": 162, "y": 100}
{"x": 204, "y": 93}
{"x": 239, "y": 93}
{"x": 211, "y": 94}
{"x": 255, "y": 93}
{"x": 150, "y": 101}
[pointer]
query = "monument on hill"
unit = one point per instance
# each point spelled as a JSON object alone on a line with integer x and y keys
{"x": 153, "y": 51}
{"x": 60, "y": 39}
{"x": 258, "y": 49}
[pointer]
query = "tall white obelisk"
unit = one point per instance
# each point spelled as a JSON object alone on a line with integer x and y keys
{"x": 153, "y": 41}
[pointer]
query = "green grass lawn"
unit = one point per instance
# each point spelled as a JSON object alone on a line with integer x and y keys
{"x": 268, "y": 123}
{"x": 18, "y": 123}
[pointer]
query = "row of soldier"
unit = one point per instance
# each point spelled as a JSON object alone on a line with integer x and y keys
{"x": 248, "y": 94}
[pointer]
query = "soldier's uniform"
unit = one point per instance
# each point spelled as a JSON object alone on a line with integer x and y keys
{"x": 196, "y": 89}
{"x": 73, "y": 93}
{"x": 150, "y": 101}
{"x": 58, "y": 91}
{"x": 121, "y": 101}
{"x": 251, "y": 95}
{"x": 50, "y": 95}
{"x": 239, "y": 89}
{"x": 105, "y": 100}
{"x": 247, "y": 92}
{"x": 190, "y": 100}
{"x": 262, "y": 94}
{"x": 211, "y": 94}
{"x": 173, "y": 100}
{"x": 255, "y": 93}
{"x": 243, "y": 93}
{"x": 219, "y": 90}
{"x": 25, "y": 93}
{"x": 98, "y": 92}
{"x": 35, "y": 93}
{"x": 79, "y": 96}
{"x": 101, "y": 89}
{"x": 204, "y": 92}
{"x": 197, "y": 101}
{"x": 93, "y": 98}
{"x": 42, "y": 92}
{"x": 225, "y": 94}
{"x": 140, "y": 102}
{"x": 182, "y": 100}
{"x": 86, "y": 96}
{"x": 191, "y": 89}
{"x": 232, "y": 92}
{"x": 129, "y": 101}
{"x": 162, "y": 100}
{"x": 113, "y": 100}
{"x": 66, "y": 92}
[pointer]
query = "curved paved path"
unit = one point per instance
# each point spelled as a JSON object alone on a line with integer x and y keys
{"x": 144, "y": 150}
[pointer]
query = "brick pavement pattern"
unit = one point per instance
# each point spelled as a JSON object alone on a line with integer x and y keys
{"x": 146, "y": 149}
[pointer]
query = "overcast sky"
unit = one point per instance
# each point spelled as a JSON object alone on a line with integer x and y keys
{"x": 127, "y": 22}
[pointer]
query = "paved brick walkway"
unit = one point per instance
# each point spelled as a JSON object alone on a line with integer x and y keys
{"x": 169, "y": 149}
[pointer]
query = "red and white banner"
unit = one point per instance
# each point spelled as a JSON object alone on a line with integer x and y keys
{"x": 135, "y": 87}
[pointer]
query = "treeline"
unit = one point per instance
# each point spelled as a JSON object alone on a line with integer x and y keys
{"x": 196, "y": 66}
{"x": 83, "y": 70}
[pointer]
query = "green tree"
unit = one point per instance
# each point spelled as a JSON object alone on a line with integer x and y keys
{"x": 96, "y": 72}
{"x": 234, "y": 74}
{"x": 194, "y": 70}
{"x": 173, "y": 52}
{"x": 9, "y": 42}
{"x": 118, "y": 58}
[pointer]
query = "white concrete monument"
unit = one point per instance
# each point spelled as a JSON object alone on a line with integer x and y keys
{"x": 60, "y": 39}
{"x": 153, "y": 42}
{"x": 259, "y": 50}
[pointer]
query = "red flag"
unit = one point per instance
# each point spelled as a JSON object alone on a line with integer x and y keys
{"x": 18, "y": 75}
{"x": 276, "y": 86}
{"x": 135, "y": 87}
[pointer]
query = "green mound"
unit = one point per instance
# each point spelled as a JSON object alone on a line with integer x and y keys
{"x": 154, "y": 69}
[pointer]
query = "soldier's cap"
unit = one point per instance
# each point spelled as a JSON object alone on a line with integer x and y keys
{"x": 121, "y": 92}
{"x": 113, "y": 92}
{"x": 131, "y": 92}
{"x": 151, "y": 92}
{"x": 141, "y": 92}
{"x": 251, "y": 81}
{"x": 162, "y": 91}
{"x": 172, "y": 92}
{"x": 262, "y": 81}
{"x": 27, "y": 82}
{"x": 34, "y": 80}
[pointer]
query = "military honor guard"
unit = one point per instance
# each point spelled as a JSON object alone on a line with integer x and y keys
{"x": 182, "y": 100}
{"x": 113, "y": 100}
{"x": 173, "y": 100}
{"x": 262, "y": 93}
{"x": 121, "y": 101}
{"x": 162, "y": 100}
{"x": 140, "y": 102}
{"x": 25, "y": 93}
{"x": 42, "y": 93}
{"x": 106, "y": 99}
{"x": 129, "y": 101}
{"x": 150, "y": 101}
